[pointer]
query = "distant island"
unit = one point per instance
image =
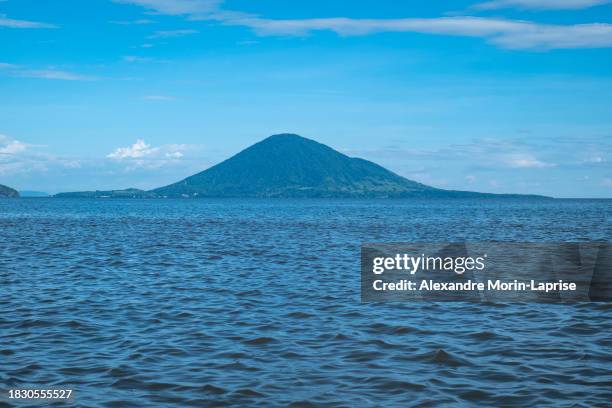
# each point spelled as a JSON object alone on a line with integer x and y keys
{"x": 7, "y": 192}
{"x": 127, "y": 193}
{"x": 291, "y": 166}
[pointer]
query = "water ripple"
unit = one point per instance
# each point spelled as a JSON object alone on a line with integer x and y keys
{"x": 256, "y": 303}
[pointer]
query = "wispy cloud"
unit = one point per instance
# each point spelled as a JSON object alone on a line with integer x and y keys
{"x": 11, "y": 155}
{"x": 141, "y": 21}
{"x": 511, "y": 34}
{"x": 12, "y": 23}
{"x": 55, "y": 74}
{"x": 172, "y": 33}
{"x": 594, "y": 160}
{"x": 19, "y": 71}
{"x": 514, "y": 34}
{"x": 135, "y": 58}
{"x": 176, "y": 7}
{"x": 539, "y": 4}
{"x": 486, "y": 154}
{"x": 18, "y": 157}
{"x": 526, "y": 161}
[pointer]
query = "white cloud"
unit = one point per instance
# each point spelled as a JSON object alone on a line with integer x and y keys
{"x": 142, "y": 21}
{"x": 10, "y": 146}
{"x": 134, "y": 58}
{"x": 12, "y": 23}
{"x": 174, "y": 155}
{"x": 595, "y": 159}
{"x": 481, "y": 155}
{"x": 512, "y": 34}
{"x": 526, "y": 161}
{"x": 515, "y": 34}
{"x": 17, "y": 157}
{"x": 141, "y": 154}
{"x": 71, "y": 163}
{"x": 19, "y": 71}
{"x": 54, "y": 74}
{"x": 597, "y": 35}
{"x": 172, "y": 33}
{"x": 23, "y": 161}
{"x": 607, "y": 182}
{"x": 137, "y": 150}
{"x": 176, "y": 7}
{"x": 468, "y": 26}
{"x": 540, "y": 4}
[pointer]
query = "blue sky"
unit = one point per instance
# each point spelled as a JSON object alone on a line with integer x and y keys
{"x": 497, "y": 96}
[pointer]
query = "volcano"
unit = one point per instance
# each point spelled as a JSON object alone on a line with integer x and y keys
{"x": 291, "y": 166}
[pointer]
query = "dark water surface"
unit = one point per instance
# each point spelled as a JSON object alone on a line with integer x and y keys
{"x": 171, "y": 303}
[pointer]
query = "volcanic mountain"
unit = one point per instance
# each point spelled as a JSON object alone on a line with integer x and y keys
{"x": 289, "y": 165}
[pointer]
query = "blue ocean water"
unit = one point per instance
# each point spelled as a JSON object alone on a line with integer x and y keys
{"x": 177, "y": 303}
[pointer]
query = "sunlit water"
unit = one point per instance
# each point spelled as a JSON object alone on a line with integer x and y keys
{"x": 163, "y": 303}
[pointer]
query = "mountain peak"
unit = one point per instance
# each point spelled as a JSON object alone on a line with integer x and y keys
{"x": 286, "y": 136}
{"x": 288, "y": 140}
{"x": 289, "y": 165}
